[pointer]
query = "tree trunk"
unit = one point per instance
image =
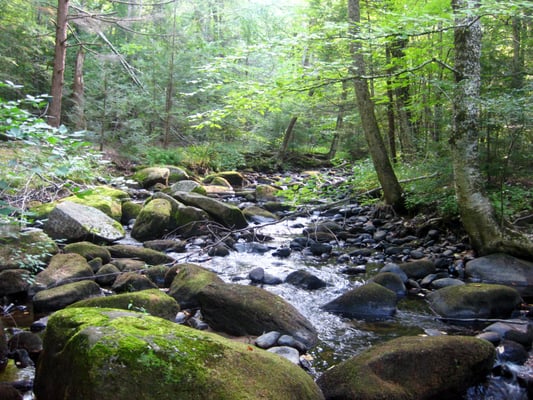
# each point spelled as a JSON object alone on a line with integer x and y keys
{"x": 78, "y": 91}
{"x": 58, "y": 75}
{"x": 339, "y": 125}
{"x": 287, "y": 138}
{"x": 477, "y": 213}
{"x": 392, "y": 191}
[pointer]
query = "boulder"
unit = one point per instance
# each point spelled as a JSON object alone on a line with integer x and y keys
{"x": 148, "y": 177}
{"x": 249, "y": 310}
{"x": 63, "y": 268}
{"x": 305, "y": 280}
{"x": 234, "y": 178}
{"x": 418, "y": 269}
{"x": 502, "y": 269}
{"x": 29, "y": 249}
{"x": 132, "y": 282}
{"x": 74, "y": 222}
{"x": 188, "y": 186}
{"x": 259, "y": 215}
{"x": 88, "y": 250}
{"x": 130, "y": 211}
{"x": 177, "y": 174}
{"x": 14, "y": 281}
{"x": 107, "y": 274}
{"x": 474, "y": 300}
{"x": 153, "y": 221}
{"x": 153, "y": 301}
{"x": 104, "y": 198}
{"x": 370, "y": 301}
{"x": 391, "y": 281}
{"x": 59, "y": 297}
{"x": 411, "y": 368}
{"x": 189, "y": 280}
{"x": 149, "y": 256}
{"x": 226, "y": 214}
{"x": 108, "y": 354}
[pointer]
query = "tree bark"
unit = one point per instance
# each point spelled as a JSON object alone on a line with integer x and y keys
{"x": 78, "y": 91}
{"x": 392, "y": 191}
{"x": 58, "y": 75}
{"x": 477, "y": 214}
{"x": 287, "y": 138}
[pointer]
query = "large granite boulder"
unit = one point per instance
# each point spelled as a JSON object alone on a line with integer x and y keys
{"x": 105, "y": 198}
{"x": 411, "y": 368}
{"x": 30, "y": 249}
{"x": 502, "y": 269}
{"x": 474, "y": 300}
{"x": 153, "y": 301}
{"x": 249, "y": 310}
{"x": 63, "y": 268}
{"x": 59, "y": 297}
{"x": 110, "y": 354}
{"x": 370, "y": 301}
{"x": 189, "y": 280}
{"x": 226, "y": 214}
{"x": 75, "y": 222}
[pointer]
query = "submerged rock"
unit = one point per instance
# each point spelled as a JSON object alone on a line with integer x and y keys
{"x": 411, "y": 368}
{"x": 110, "y": 354}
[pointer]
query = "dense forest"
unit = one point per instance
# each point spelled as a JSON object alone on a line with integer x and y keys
{"x": 391, "y": 90}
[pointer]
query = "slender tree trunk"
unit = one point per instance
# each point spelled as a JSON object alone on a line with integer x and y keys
{"x": 391, "y": 128}
{"x": 339, "y": 125}
{"x": 287, "y": 138}
{"x": 477, "y": 214}
{"x": 78, "y": 91}
{"x": 58, "y": 75}
{"x": 392, "y": 191}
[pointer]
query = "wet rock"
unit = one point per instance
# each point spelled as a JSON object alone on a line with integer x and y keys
{"x": 14, "y": 281}
{"x": 59, "y": 297}
{"x": 8, "y": 392}
{"x": 305, "y": 280}
{"x": 395, "y": 268}
{"x": 148, "y": 177}
{"x": 513, "y": 352}
{"x": 149, "y": 256}
{"x": 166, "y": 245}
{"x": 424, "y": 368}
{"x": 319, "y": 249}
{"x": 104, "y": 353}
{"x": 518, "y": 330}
{"x": 157, "y": 274}
{"x": 28, "y": 341}
{"x": 288, "y": 340}
{"x": 445, "y": 282}
{"x": 153, "y": 301}
{"x": 392, "y": 282}
{"x": 249, "y": 310}
{"x": 219, "y": 250}
{"x": 473, "y": 301}
{"x": 188, "y": 280}
{"x": 282, "y": 252}
{"x": 418, "y": 269}
{"x": 370, "y": 302}
{"x": 188, "y": 186}
{"x": 502, "y": 269}
{"x": 267, "y": 340}
{"x": 129, "y": 264}
{"x": 22, "y": 359}
{"x": 287, "y": 352}
{"x": 259, "y": 215}
{"x": 74, "y": 222}
{"x": 88, "y": 250}
{"x": 153, "y": 221}
{"x": 63, "y": 268}
{"x": 132, "y": 282}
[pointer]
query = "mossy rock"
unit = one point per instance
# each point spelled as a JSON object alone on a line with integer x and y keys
{"x": 25, "y": 249}
{"x": 152, "y": 301}
{"x": 241, "y": 310}
{"x": 150, "y": 176}
{"x": 104, "y": 198}
{"x": 108, "y": 354}
{"x": 188, "y": 186}
{"x": 59, "y": 297}
{"x": 153, "y": 221}
{"x": 189, "y": 280}
{"x": 130, "y": 210}
{"x": 226, "y": 178}
{"x": 411, "y": 368}
{"x": 266, "y": 192}
{"x": 63, "y": 268}
{"x": 149, "y": 256}
{"x": 258, "y": 214}
{"x": 474, "y": 300}
{"x": 88, "y": 250}
{"x": 418, "y": 269}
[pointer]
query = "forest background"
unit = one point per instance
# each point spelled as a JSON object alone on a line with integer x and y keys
{"x": 267, "y": 85}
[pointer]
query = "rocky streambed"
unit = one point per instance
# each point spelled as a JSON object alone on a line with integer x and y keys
{"x": 356, "y": 277}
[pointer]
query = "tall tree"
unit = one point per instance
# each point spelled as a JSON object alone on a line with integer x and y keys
{"x": 477, "y": 214}
{"x": 392, "y": 191}
{"x": 58, "y": 74}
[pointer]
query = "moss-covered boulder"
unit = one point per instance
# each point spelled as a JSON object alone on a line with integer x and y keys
{"x": 74, "y": 222}
{"x": 130, "y": 211}
{"x": 411, "y": 368}
{"x": 105, "y": 198}
{"x": 132, "y": 282}
{"x": 14, "y": 281}
{"x": 148, "y": 177}
{"x": 370, "y": 301}
{"x": 153, "y": 221}
{"x": 59, "y": 297}
{"x": 149, "y": 256}
{"x": 259, "y": 215}
{"x": 88, "y": 250}
{"x": 418, "y": 269}
{"x": 474, "y": 300}
{"x": 109, "y": 354}
{"x": 233, "y": 178}
{"x": 265, "y": 192}
{"x": 153, "y": 301}
{"x": 226, "y": 214}
{"x": 189, "y": 280}
{"x": 249, "y": 310}
{"x": 188, "y": 186}
{"x": 176, "y": 174}
{"x": 29, "y": 248}
{"x": 106, "y": 275}
{"x": 63, "y": 268}
{"x": 391, "y": 281}
{"x": 502, "y": 269}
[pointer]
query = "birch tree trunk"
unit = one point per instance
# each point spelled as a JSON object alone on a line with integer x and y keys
{"x": 392, "y": 191}
{"x": 479, "y": 220}
{"x": 58, "y": 75}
